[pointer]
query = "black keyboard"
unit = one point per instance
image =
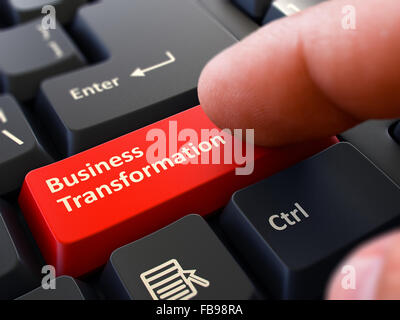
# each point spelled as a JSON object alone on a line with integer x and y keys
{"x": 77, "y": 102}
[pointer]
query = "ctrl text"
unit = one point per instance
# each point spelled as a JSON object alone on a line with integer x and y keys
{"x": 281, "y": 221}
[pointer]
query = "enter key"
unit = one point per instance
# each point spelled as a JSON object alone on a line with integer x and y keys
{"x": 149, "y": 69}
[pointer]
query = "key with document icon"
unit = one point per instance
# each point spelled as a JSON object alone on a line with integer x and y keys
{"x": 169, "y": 281}
{"x": 183, "y": 261}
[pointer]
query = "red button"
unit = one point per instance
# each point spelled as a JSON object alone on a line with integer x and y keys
{"x": 82, "y": 208}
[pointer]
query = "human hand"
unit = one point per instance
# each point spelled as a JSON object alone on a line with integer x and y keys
{"x": 305, "y": 77}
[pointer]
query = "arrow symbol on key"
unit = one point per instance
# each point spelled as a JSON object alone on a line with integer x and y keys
{"x": 142, "y": 72}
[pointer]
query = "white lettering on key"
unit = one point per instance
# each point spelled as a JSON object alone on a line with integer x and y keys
{"x": 45, "y": 33}
{"x": 280, "y": 222}
{"x": 80, "y": 93}
{"x": 56, "y": 49}
{"x": 9, "y": 135}
{"x": 53, "y": 45}
{"x": 3, "y": 117}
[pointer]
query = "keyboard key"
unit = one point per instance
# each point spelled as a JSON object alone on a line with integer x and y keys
{"x": 238, "y": 23}
{"x": 373, "y": 138}
{"x": 255, "y": 8}
{"x": 66, "y": 288}
{"x": 32, "y": 55}
{"x": 24, "y": 10}
{"x": 82, "y": 208}
{"x": 284, "y": 8}
{"x": 19, "y": 271}
{"x": 152, "y": 72}
{"x": 183, "y": 261}
{"x": 294, "y": 227}
{"x": 20, "y": 150}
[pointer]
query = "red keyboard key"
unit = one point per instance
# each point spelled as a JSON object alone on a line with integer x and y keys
{"x": 82, "y": 208}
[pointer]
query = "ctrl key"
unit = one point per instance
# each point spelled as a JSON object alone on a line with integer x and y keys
{"x": 301, "y": 222}
{"x": 182, "y": 261}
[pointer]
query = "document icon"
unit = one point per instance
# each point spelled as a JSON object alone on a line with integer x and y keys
{"x": 169, "y": 281}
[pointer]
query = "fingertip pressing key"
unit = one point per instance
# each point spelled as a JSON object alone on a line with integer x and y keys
{"x": 305, "y": 76}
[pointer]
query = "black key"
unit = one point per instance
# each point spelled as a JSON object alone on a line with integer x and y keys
{"x": 233, "y": 19}
{"x": 19, "y": 271}
{"x": 396, "y": 132}
{"x": 183, "y": 261}
{"x": 20, "y": 151}
{"x": 284, "y": 8}
{"x": 23, "y": 10}
{"x": 66, "y": 288}
{"x": 30, "y": 54}
{"x": 373, "y": 139}
{"x": 293, "y": 228}
{"x": 158, "y": 49}
{"x": 255, "y": 8}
